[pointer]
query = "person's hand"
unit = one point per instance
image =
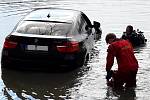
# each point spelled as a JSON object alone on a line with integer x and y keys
{"x": 109, "y": 83}
{"x": 109, "y": 75}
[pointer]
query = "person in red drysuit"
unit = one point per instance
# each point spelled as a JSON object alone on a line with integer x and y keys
{"x": 127, "y": 63}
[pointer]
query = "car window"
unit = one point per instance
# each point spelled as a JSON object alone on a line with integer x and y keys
{"x": 44, "y": 28}
{"x": 83, "y": 25}
{"x": 86, "y": 19}
{"x": 79, "y": 25}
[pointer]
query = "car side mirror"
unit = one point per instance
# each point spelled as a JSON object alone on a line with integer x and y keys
{"x": 96, "y": 25}
{"x": 86, "y": 27}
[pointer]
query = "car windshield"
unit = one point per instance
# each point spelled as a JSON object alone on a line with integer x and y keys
{"x": 44, "y": 28}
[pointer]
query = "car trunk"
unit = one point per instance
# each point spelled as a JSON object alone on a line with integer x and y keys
{"x": 36, "y": 48}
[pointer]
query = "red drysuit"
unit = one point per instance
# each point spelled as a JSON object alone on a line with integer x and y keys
{"x": 127, "y": 63}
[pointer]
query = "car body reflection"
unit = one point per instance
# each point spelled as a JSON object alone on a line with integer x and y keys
{"x": 29, "y": 85}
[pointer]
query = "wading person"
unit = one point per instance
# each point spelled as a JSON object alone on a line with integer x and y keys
{"x": 127, "y": 63}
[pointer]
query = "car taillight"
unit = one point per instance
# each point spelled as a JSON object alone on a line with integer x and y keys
{"x": 10, "y": 44}
{"x": 68, "y": 47}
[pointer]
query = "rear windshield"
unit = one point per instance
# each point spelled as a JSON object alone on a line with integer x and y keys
{"x": 44, "y": 28}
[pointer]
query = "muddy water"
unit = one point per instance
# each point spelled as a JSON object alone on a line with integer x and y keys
{"x": 87, "y": 82}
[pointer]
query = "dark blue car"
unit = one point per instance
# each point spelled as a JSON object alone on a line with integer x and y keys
{"x": 50, "y": 36}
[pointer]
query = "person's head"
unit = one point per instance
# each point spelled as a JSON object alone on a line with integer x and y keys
{"x": 110, "y": 37}
{"x": 129, "y": 29}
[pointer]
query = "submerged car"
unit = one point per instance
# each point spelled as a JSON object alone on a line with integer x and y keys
{"x": 50, "y": 36}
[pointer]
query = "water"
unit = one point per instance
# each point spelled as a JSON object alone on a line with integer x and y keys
{"x": 87, "y": 82}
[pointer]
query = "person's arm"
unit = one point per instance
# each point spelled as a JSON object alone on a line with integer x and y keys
{"x": 110, "y": 58}
{"x": 109, "y": 61}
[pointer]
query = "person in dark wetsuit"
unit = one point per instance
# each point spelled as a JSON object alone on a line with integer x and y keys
{"x": 131, "y": 35}
{"x": 135, "y": 37}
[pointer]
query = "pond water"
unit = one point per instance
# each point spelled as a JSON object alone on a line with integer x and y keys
{"x": 87, "y": 82}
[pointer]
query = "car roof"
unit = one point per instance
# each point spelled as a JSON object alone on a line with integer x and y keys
{"x": 53, "y": 14}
